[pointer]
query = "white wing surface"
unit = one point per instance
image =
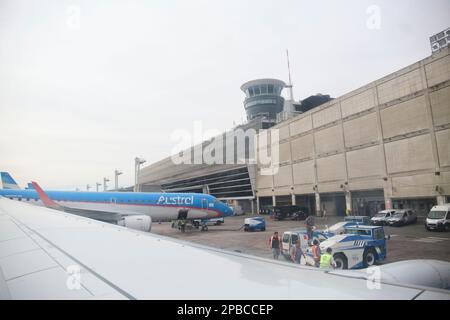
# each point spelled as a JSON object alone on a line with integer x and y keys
{"x": 41, "y": 251}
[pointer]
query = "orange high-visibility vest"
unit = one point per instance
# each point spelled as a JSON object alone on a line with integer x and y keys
{"x": 316, "y": 255}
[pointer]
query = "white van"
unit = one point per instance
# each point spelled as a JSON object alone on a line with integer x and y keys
{"x": 290, "y": 238}
{"x": 439, "y": 218}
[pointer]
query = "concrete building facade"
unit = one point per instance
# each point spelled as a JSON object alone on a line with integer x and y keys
{"x": 384, "y": 145}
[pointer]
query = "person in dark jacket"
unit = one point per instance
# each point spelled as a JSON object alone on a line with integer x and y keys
{"x": 275, "y": 245}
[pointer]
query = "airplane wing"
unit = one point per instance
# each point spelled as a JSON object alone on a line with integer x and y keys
{"x": 46, "y": 254}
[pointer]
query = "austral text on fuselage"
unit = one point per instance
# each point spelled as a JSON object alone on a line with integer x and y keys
{"x": 176, "y": 200}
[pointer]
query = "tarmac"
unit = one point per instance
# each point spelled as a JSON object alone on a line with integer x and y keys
{"x": 406, "y": 242}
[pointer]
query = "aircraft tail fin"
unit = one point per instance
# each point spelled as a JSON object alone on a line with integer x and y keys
{"x": 7, "y": 182}
{"x": 45, "y": 198}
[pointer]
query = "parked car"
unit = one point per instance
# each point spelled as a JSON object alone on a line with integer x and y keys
{"x": 381, "y": 217}
{"x": 438, "y": 218}
{"x": 339, "y": 228}
{"x": 358, "y": 220}
{"x": 402, "y": 217}
{"x": 289, "y": 212}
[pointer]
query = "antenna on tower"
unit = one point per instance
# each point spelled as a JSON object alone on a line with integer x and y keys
{"x": 291, "y": 91}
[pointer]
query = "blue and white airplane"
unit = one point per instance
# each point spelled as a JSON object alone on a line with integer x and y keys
{"x": 134, "y": 209}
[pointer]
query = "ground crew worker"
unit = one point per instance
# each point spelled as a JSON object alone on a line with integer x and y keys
{"x": 326, "y": 260}
{"x": 316, "y": 253}
{"x": 275, "y": 245}
{"x": 297, "y": 253}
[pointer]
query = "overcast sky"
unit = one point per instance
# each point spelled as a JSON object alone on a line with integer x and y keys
{"x": 85, "y": 86}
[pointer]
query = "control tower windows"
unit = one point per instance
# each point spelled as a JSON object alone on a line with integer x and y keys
{"x": 264, "y": 89}
{"x": 251, "y": 92}
{"x": 278, "y": 90}
{"x": 270, "y": 88}
{"x": 257, "y": 91}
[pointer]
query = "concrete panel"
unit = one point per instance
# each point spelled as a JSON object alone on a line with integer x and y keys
{"x": 303, "y": 172}
{"x": 263, "y": 181}
{"x": 303, "y": 147}
{"x": 405, "y": 117}
{"x": 409, "y": 154}
{"x": 283, "y": 177}
{"x": 285, "y": 191}
{"x": 303, "y": 189}
{"x": 331, "y": 168}
{"x": 330, "y": 187}
{"x": 329, "y": 140}
{"x": 444, "y": 183}
{"x": 358, "y": 103}
{"x": 285, "y": 152}
{"x": 326, "y": 116}
{"x": 365, "y": 162}
{"x": 443, "y": 145}
{"x": 400, "y": 86}
{"x": 301, "y": 125}
{"x": 265, "y": 192}
{"x": 368, "y": 184}
{"x": 284, "y": 132}
{"x": 420, "y": 185}
{"x": 361, "y": 130}
{"x": 440, "y": 105}
{"x": 438, "y": 71}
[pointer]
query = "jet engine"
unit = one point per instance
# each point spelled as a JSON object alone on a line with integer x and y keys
{"x": 141, "y": 223}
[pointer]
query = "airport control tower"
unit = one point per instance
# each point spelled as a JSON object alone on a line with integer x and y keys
{"x": 263, "y": 98}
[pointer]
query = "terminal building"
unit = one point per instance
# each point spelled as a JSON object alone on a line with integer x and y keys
{"x": 384, "y": 145}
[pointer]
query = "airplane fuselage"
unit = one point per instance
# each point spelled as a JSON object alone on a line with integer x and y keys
{"x": 160, "y": 206}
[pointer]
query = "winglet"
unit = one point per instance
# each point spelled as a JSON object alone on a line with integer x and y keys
{"x": 45, "y": 198}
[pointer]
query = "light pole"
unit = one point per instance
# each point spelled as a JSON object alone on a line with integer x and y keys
{"x": 88, "y": 187}
{"x": 117, "y": 173}
{"x": 105, "y": 187}
{"x": 137, "y": 167}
